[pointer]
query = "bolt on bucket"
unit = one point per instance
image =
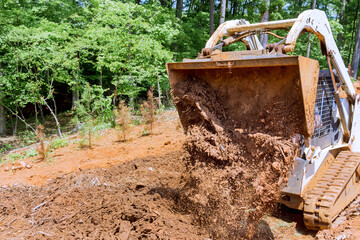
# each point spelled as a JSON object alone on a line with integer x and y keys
{"x": 273, "y": 93}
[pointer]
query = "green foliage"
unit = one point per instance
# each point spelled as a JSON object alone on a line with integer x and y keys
{"x": 120, "y": 48}
{"x": 27, "y": 137}
{"x": 31, "y": 153}
{"x": 123, "y": 45}
{"x": 136, "y": 121}
{"x": 145, "y": 132}
{"x": 58, "y": 143}
{"x": 92, "y": 109}
{"x": 93, "y": 106}
{"x": 5, "y": 148}
{"x": 14, "y": 157}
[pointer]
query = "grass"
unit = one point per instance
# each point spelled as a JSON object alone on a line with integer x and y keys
{"x": 58, "y": 143}
{"x": 13, "y": 157}
{"x": 32, "y": 152}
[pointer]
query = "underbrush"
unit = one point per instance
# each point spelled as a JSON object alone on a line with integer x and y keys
{"x": 59, "y": 143}
{"x": 125, "y": 121}
{"x": 13, "y": 157}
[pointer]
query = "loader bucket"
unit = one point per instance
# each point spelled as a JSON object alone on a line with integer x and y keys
{"x": 276, "y": 92}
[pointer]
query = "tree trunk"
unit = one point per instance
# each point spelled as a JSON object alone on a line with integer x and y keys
{"x": 54, "y": 102}
{"x": 309, "y": 40}
{"x": 23, "y": 117}
{"x": 211, "y": 17}
{"x": 2, "y": 111}
{"x": 53, "y": 98}
{"x": 163, "y": 3}
{"x": 341, "y": 19}
{"x": 356, "y": 54}
{"x": 179, "y": 8}
{"x": 265, "y": 18}
{"x": 56, "y": 120}
{"x": 41, "y": 113}
{"x": 101, "y": 81}
{"x": 222, "y": 12}
{"x": 36, "y": 115}
{"x": 353, "y": 30}
{"x": 235, "y": 8}
{"x": 2, "y": 118}
{"x": 159, "y": 90}
{"x": 16, "y": 125}
{"x": 75, "y": 92}
{"x": 75, "y": 98}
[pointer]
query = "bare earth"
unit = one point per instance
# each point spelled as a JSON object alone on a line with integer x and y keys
{"x": 125, "y": 190}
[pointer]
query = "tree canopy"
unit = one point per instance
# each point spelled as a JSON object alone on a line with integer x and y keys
{"x": 52, "y": 49}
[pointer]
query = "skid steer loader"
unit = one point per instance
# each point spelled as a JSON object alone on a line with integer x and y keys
{"x": 326, "y": 175}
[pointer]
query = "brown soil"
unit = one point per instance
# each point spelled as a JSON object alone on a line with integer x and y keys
{"x": 234, "y": 175}
{"x": 132, "y": 190}
{"x": 135, "y": 200}
{"x": 106, "y": 152}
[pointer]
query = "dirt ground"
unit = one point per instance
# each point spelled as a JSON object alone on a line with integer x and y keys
{"x": 106, "y": 152}
{"x": 125, "y": 190}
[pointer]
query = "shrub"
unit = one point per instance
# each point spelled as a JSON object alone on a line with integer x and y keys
{"x": 27, "y": 137}
{"x": 42, "y": 148}
{"x": 92, "y": 109}
{"x": 148, "y": 110}
{"x": 122, "y": 115}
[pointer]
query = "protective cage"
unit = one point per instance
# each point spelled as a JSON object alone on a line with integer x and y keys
{"x": 326, "y": 129}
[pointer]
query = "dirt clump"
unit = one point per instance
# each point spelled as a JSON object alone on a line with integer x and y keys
{"x": 234, "y": 174}
{"x": 134, "y": 200}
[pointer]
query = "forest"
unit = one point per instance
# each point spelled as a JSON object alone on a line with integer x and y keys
{"x": 59, "y": 54}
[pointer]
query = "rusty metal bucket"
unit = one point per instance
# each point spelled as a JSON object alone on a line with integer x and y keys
{"x": 248, "y": 85}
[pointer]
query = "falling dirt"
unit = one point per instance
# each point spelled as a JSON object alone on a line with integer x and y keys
{"x": 234, "y": 174}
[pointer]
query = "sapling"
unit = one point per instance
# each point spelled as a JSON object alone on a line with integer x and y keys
{"x": 85, "y": 114}
{"x": 92, "y": 108}
{"x": 148, "y": 110}
{"x": 42, "y": 148}
{"x": 122, "y": 115}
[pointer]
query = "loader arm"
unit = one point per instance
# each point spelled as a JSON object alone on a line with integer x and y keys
{"x": 251, "y": 42}
{"x": 314, "y": 21}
